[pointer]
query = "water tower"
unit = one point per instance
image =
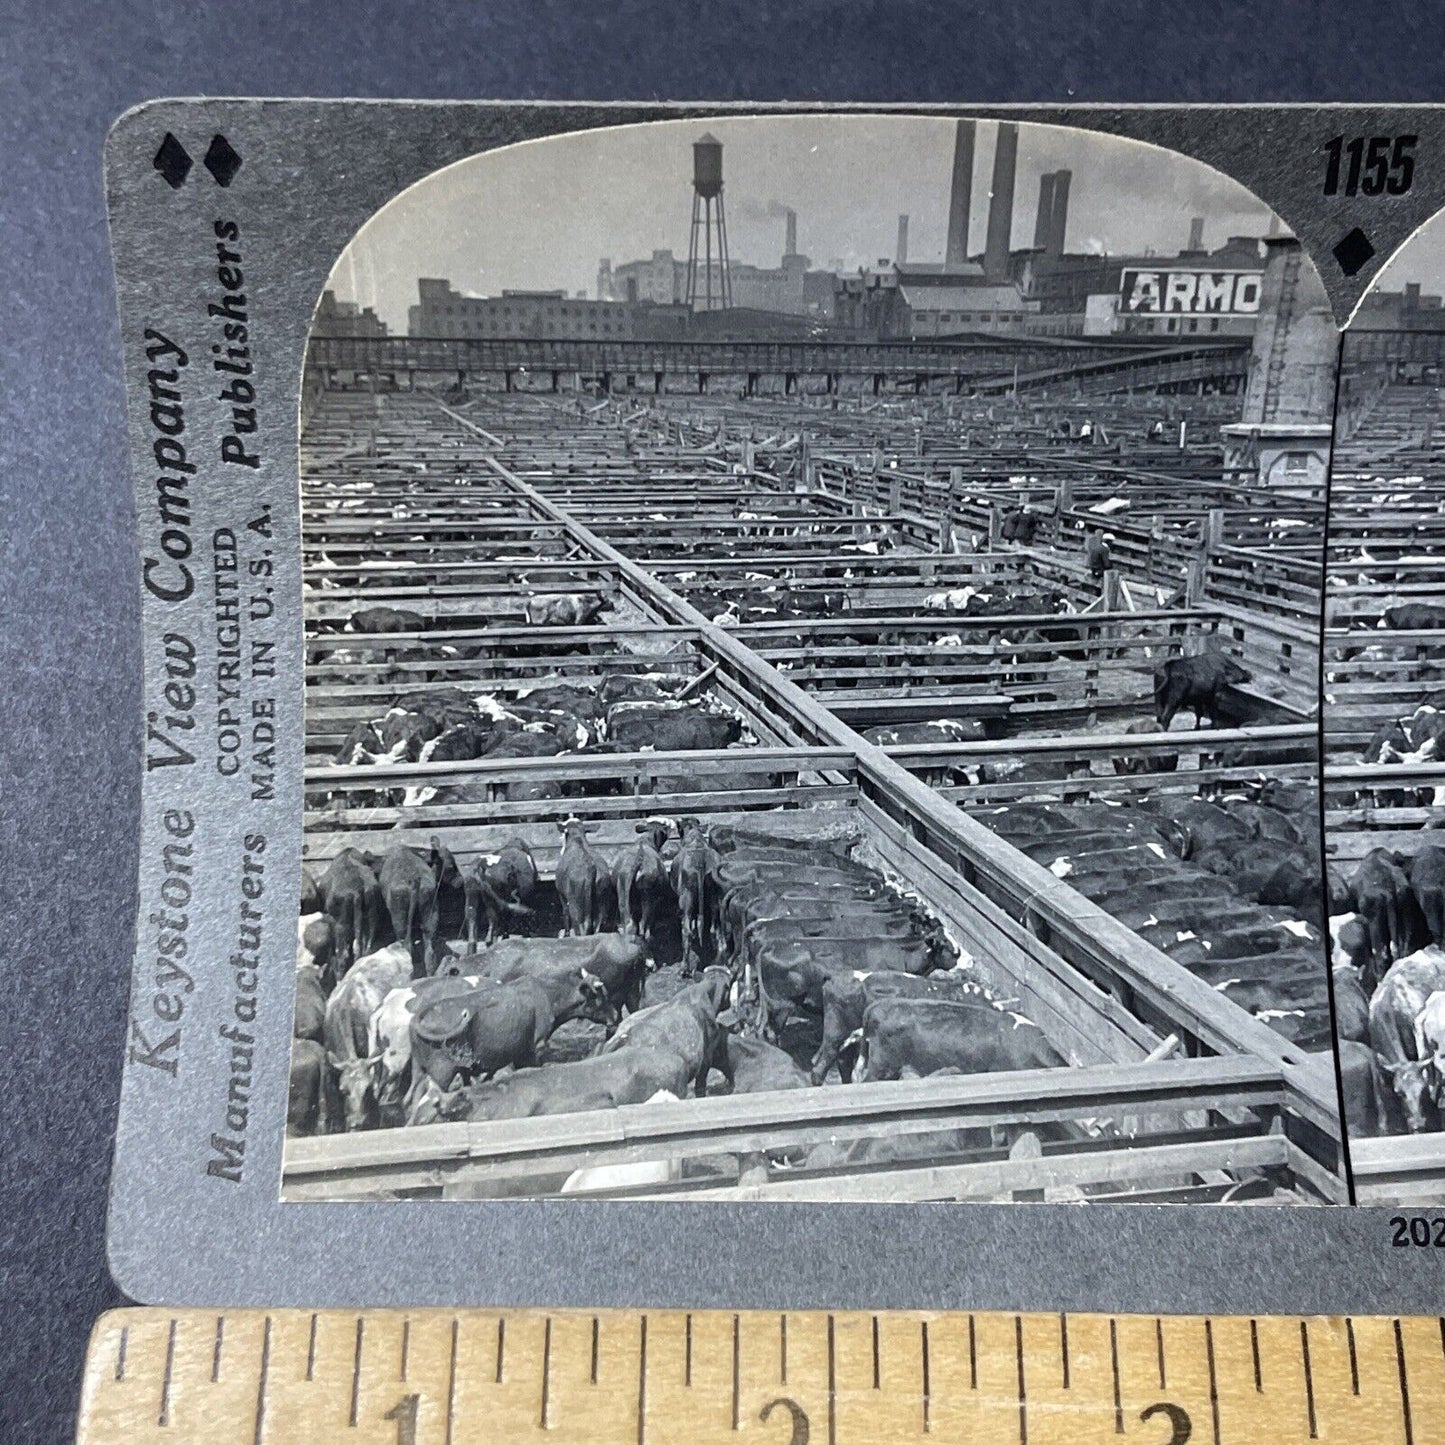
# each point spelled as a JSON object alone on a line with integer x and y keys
{"x": 708, "y": 290}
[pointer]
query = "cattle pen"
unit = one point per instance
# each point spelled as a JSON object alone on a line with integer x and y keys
{"x": 840, "y": 571}
{"x": 1383, "y": 647}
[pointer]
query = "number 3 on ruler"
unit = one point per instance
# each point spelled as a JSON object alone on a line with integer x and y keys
{"x": 404, "y": 1413}
{"x": 1375, "y": 166}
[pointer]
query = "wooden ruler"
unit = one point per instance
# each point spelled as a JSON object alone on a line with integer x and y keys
{"x": 476, "y": 1377}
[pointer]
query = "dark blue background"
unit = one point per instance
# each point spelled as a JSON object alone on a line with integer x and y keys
{"x": 69, "y": 661}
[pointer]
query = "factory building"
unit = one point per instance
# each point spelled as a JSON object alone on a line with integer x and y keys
{"x": 345, "y": 318}
{"x": 792, "y": 287}
{"x": 1404, "y": 310}
{"x": 443, "y": 311}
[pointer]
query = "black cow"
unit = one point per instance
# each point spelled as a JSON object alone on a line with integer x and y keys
{"x": 1414, "y": 617}
{"x": 310, "y": 893}
{"x": 629, "y": 1076}
{"x": 1352, "y": 1008}
{"x": 570, "y": 609}
{"x": 618, "y": 961}
{"x": 1371, "y": 1106}
{"x": 1018, "y": 524}
{"x": 686, "y": 1026}
{"x": 408, "y": 731}
{"x": 693, "y": 869}
{"x": 1195, "y": 683}
{"x": 752, "y": 1066}
{"x": 1427, "y": 883}
{"x": 641, "y": 878}
{"x": 411, "y": 886}
{"x": 497, "y": 1025}
{"x": 387, "y": 619}
{"x": 681, "y": 730}
{"x": 627, "y": 687}
{"x": 1379, "y": 891}
{"x": 306, "y": 1111}
{"x": 926, "y": 1035}
{"x": 352, "y": 900}
{"x": 846, "y": 997}
{"x": 309, "y": 1015}
{"x": 1137, "y": 764}
{"x": 362, "y": 745}
{"x": 499, "y": 887}
{"x": 459, "y": 742}
{"x": 584, "y": 881}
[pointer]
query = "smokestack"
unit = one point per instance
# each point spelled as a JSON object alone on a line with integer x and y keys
{"x": 901, "y": 255}
{"x": 1059, "y": 213}
{"x": 1001, "y": 202}
{"x": 1044, "y": 217}
{"x": 791, "y": 249}
{"x": 1196, "y": 233}
{"x": 960, "y": 197}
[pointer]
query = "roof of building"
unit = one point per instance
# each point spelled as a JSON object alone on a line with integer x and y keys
{"x": 961, "y": 298}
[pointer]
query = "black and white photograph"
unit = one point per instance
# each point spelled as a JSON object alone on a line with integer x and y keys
{"x": 812, "y": 678}
{"x": 1384, "y": 717}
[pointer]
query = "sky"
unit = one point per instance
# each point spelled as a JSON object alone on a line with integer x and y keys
{"x": 1421, "y": 258}
{"x": 541, "y": 214}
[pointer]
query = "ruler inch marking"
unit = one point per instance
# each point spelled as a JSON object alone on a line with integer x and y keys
{"x": 356, "y": 1373}
{"x": 737, "y": 1368}
{"x": 1254, "y": 1350}
{"x": 596, "y": 1331}
{"x": 1023, "y": 1392}
{"x": 783, "y": 1349}
{"x": 1404, "y": 1385}
{"x": 927, "y": 1392}
{"x": 452, "y": 1379}
{"x": 1354, "y": 1358}
{"x": 120, "y": 1352}
{"x": 216, "y": 1351}
{"x": 972, "y": 1355}
{"x": 501, "y": 1345}
{"x": 1159, "y": 1351}
{"x": 262, "y": 1381}
{"x": 405, "y": 1349}
{"x": 642, "y": 1383}
{"x": 1304, "y": 1340}
{"x": 1213, "y": 1378}
{"x": 687, "y": 1356}
{"x": 311, "y": 1351}
{"x": 546, "y": 1372}
{"x": 832, "y": 1387}
{"x": 1114, "y": 1366}
{"x": 164, "y": 1419}
{"x": 1064, "y": 1348}
{"x": 877, "y": 1370}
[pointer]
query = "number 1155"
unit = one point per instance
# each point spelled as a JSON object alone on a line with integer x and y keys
{"x": 1375, "y": 166}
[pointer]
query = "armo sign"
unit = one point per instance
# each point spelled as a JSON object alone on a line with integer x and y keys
{"x": 1191, "y": 293}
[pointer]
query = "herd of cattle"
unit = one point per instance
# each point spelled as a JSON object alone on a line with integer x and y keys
{"x": 1387, "y": 924}
{"x": 457, "y": 998}
{"x": 624, "y": 712}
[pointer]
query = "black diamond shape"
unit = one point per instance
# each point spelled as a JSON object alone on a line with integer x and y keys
{"x": 1353, "y": 251}
{"x": 172, "y": 162}
{"x": 221, "y": 160}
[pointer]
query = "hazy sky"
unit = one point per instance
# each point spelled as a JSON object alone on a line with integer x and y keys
{"x": 541, "y": 214}
{"x": 1421, "y": 258}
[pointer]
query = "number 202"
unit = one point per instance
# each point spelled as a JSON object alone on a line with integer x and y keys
{"x": 1375, "y": 166}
